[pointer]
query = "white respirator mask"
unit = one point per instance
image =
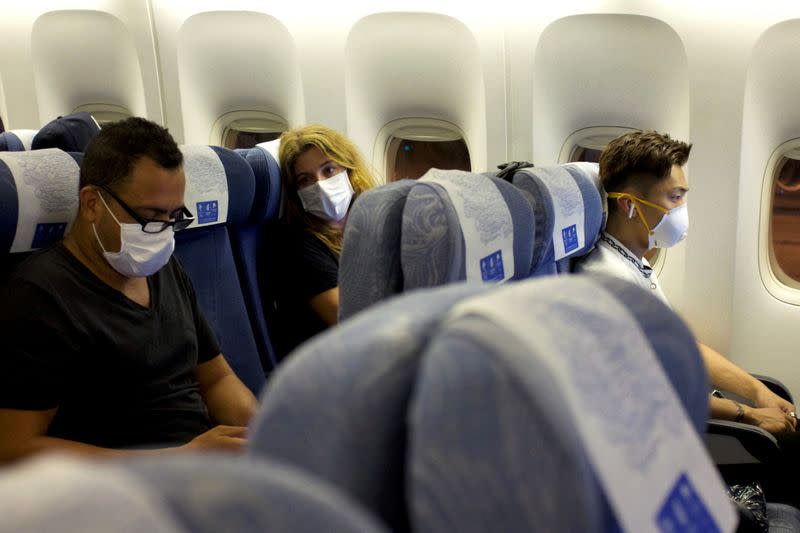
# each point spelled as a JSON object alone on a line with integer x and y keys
{"x": 670, "y": 230}
{"x": 140, "y": 254}
{"x": 328, "y": 199}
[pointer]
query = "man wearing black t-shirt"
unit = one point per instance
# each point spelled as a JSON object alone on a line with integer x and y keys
{"x": 104, "y": 345}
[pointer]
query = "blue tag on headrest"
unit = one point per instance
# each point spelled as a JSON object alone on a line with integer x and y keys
{"x": 684, "y": 510}
{"x": 570, "y": 237}
{"x": 207, "y": 212}
{"x": 47, "y": 234}
{"x": 492, "y": 267}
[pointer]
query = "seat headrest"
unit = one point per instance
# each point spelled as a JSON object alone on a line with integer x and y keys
{"x": 71, "y": 133}
{"x": 576, "y": 206}
{"x": 220, "y": 186}
{"x": 38, "y": 198}
{"x": 267, "y": 172}
{"x": 464, "y": 226}
{"x": 16, "y": 140}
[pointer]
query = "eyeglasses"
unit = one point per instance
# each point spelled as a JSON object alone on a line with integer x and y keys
{"x": 181, "y": 221}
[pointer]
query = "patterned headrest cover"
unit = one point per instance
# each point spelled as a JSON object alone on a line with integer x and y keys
{"x": 219, "y": 185}
{"x": 38, "y": 198}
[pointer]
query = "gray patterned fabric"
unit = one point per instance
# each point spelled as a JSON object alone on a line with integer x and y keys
{"x": 783, "y": 518}
{"x": 432, "y": 242}
{"x": 491, "y": 446}
{"x": 210, "y": 494}
{"x": 64, "y": 495}
{"x": 369, "y": 267}
{"x": 336, "y": 407}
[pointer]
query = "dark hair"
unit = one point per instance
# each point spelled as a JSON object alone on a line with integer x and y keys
{"x": 112, "y": 154}
{"x": 641, "y": 159}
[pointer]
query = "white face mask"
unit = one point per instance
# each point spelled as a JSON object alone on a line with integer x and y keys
{"x": 328, "y": 199}
{"x": 672, "y": 229}
{"x": 140, "y": 254}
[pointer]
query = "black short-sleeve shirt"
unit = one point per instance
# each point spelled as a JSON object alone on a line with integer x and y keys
{"x": 309, "y": 269}
{"x": 120, "y": 374}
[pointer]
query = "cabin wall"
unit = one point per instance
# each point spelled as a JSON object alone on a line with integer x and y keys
{"x": 516, "y": 79}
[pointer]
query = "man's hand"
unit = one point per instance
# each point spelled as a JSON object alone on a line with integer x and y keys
{"x": 767, "y": 398}
{"x": 771, "y": 419}
{"x": 219, "y": 438}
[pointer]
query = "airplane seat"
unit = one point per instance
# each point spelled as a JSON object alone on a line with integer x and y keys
{"x": 494, "y": 444}
{"x": 70, "y": 133}
{"x": 38, "y": 202}
{"x": 199, "y": 494}
{"x": 573, "y": 203}
{"x": 220, "y": 188}
{"x": 369, "y": 266}
{"x": 458, "y": 426}
{"x": 252, "y": 256}
{"x": 16, "y": 140}
{"x": 454, "y": 226}
{"x": 336, "y": 408}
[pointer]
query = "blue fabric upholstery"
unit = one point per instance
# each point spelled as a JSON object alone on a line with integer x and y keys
{"x": 251, "y": 248}
{"x": 16, "y": 140}
{"x": 207, "y": 256}
{"x": 71, "y": 133}
{"x": 432, "y": 241}
{"x": 491, "y": 446}
{"x": 9, "y": 142}
{"x": 336, "y": 407}
{"x": 407, "y": 235}
{"x": 172, "y": 495}
{"x": 216, "y": 493}
{"x": 585, "y": 175}
{"x": 369, "y": 267}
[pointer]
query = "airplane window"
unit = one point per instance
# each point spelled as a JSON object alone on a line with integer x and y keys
{"x": 235, "y": 138}
{"x": 245, "y": 129}
{"x": 415, "y": 145}
{"x": 2, "y": 128}
{"x": 413, "y": 158}
{"x": 785, "y": 218}
{"x": 104, "y": 113}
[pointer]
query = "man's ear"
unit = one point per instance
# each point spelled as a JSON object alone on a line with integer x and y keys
{"x": 90, "y": 203}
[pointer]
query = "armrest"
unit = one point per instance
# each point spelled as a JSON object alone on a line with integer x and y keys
{"x": 775, "y": 386}
{"x": 734, "y": 443}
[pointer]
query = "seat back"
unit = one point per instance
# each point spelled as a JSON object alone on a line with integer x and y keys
{"x": 495, "y": 438}
{"x": 60, "y": 494}
{"x": 16, "y": 140}
{"x": 216, "y": 493}
{"x": 568, "y": 198}
{"x": 252, "y": 252}
{"x": 220, "y": 189}
{"x": 446, "y": 227}
{"x": 38, "y": 201}
{"x": 369, "y": 266}
{"x": 71, "y": 133}
{"x": 337, "y": 407}
{"x": 171, "y": 495}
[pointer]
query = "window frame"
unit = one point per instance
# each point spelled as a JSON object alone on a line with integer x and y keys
{"x": 104, "y": 113}
{"x": 414, "y": 129}
{"x": 261, "y": 122}
{"x": 779, "y": 284}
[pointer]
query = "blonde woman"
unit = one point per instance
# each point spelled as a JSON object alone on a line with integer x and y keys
{"x": 323, "y": 173}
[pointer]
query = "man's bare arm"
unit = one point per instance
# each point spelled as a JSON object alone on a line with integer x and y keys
{"x": 24, "y": 433}
{"x": 228, "y": 400}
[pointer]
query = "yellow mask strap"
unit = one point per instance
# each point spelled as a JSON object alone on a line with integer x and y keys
{"x": 636, "y": 201}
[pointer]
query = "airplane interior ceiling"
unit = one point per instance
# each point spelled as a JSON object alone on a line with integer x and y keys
{"x": 515, "y": 79}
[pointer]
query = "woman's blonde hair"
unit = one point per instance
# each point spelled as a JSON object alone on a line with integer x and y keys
{"x": 340, "y": 150}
